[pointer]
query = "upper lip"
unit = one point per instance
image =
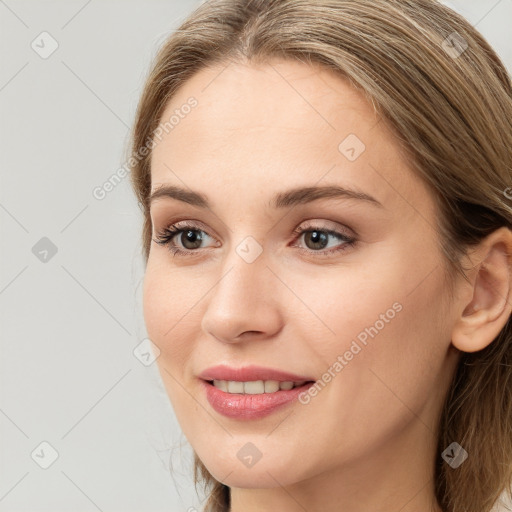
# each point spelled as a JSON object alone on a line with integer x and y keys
{"x": 250, "y": 373}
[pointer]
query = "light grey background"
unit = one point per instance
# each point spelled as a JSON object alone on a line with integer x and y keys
{"x": 69, "y": 325}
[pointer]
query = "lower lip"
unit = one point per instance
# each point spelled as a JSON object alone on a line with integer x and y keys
{"x": 250, "y": 407}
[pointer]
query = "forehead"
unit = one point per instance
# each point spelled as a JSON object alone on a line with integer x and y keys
{"x": 272, "y": 125}
{"x": 261, "y": 100}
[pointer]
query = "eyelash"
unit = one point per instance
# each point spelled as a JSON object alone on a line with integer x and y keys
{"x": 166, "y": 235}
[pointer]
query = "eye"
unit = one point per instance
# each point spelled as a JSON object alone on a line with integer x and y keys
{"x": 317, "y": 237}
{"x": 190, "y": 237}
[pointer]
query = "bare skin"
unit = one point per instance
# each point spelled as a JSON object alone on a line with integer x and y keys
{"x": 366, "y": 441}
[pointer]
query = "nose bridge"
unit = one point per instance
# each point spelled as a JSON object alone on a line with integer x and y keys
{"x": 244, "y": 268}
{"x": 243, "y": 298}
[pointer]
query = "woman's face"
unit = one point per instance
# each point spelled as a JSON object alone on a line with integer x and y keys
{"x": 359, "y": 295}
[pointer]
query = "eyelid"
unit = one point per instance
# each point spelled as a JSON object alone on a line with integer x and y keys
{"x": 311, "y": 223}
{"x": 194, "y": 224}
{"x": 327, "y": 225}
{"x": 167, "y": 234}
{"x": 186, "y": 222}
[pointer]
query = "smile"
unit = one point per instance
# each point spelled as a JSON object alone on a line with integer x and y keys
{"x": 255, "y": 387}
{"x": 249, "y": 400}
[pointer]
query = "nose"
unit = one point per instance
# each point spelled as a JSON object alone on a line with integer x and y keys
{"x": 244, "y": 302}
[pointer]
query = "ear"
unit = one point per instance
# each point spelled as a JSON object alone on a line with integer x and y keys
{"x": 485, "y": 315}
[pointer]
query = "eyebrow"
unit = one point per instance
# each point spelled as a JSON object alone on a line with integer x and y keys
{"x": 289, "y": 198}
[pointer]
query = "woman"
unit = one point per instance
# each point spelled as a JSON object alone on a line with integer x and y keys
{"x": 327, "y": 213}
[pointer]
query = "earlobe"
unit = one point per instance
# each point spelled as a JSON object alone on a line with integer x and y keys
{"x": 490, "y": 307}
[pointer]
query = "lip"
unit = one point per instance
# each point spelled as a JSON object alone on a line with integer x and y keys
{"x": 250, "y": 407}
{"x": 250, "y": 373}
{"x": 246, "y": 406}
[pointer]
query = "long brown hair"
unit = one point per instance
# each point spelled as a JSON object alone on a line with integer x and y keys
{"x": 446, "y": 94}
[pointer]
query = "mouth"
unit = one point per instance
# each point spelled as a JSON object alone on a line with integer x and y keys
{"x": 252, "y": 400}
{"x": 257, "y": 387}
{"x": 252, "y": 392}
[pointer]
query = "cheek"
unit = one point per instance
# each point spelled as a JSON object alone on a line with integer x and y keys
{"x": 167, "y": 312}
{"x": 387, "y": 353}
{"x": 169, "y": 316}
{"x": 393, "y": 344}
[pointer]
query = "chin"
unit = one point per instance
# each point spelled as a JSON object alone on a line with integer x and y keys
{"x": 264, "y": 474}
{"x": 255, "y": 479}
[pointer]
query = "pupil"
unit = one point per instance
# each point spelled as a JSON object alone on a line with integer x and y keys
{"x": 318, "y": 238}
{"x": 191, "y": 237}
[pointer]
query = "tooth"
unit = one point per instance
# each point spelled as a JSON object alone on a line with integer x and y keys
{"x": 271, "y": 386}
{"x": 235, "y": 387}
{"x": 254, "y": 387}
{"x": 221, "y": 384}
